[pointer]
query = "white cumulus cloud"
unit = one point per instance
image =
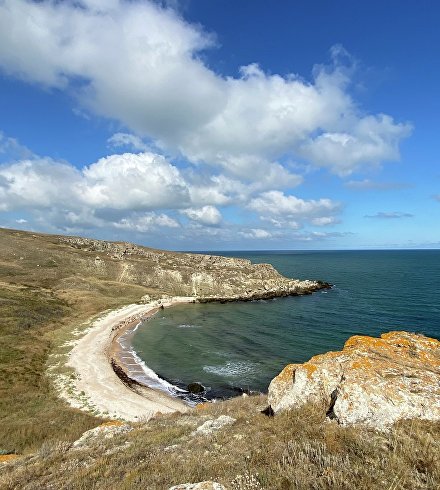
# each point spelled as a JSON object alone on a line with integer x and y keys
{"x": 128, "y": 140}
{"x": 144, "y": 181}
{"x": 141, "y": 64}
{"x": 207, "y": 215}
{"x": 255, "y": 233}
{"x": 146, "y": 222}
{"x": 278, "y": 204}
{"x": 114, "y": 190}
{"x": 324, "y": 221}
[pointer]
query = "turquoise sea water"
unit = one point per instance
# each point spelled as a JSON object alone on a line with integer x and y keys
{"x": 227, "y": 347}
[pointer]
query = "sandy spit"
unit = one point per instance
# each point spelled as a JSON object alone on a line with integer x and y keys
{"x": 96, "y": 378}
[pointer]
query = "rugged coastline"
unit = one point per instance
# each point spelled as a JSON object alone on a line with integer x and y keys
{"x": 50, "y": 290}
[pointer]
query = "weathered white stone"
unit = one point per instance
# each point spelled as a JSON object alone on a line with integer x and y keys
{"x": 204, "y": 485}
{"x": 211, "y": 426}
{"x": 373, "y": 381}
{"x": 104, "y": 431}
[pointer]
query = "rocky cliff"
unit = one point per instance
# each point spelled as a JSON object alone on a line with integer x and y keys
{"x": 373, "y": 381}
{"x": 74, "y": 267}
{"x": 207, "y": 277}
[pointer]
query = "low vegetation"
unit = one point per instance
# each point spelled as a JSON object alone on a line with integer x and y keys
{"x": 45, "y": 292}
{"x": 30, "y": 412}
{"x": 39, "y": 303}
{"x": 295, "y": 450}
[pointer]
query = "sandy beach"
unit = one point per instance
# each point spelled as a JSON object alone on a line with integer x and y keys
{"x": 91, "y": 359}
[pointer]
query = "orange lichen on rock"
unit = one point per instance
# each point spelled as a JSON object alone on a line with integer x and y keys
{"x": 363, "y": 342}
{"x": 362, "y": 363}
{"x": 287, "y": 373}
{"x": 322, "y": 358}
{"x": 112, "y": 423}
{"x": 309, "y": 368}
{"x": 6, "y": 458}
{"x": 375, "y": 381}
{"x": 202, "y": 406}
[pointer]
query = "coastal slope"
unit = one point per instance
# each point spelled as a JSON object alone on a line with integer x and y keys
{"x": 91, "y": 278}
{"x": 50, "y": 289}
{"x": 206, "y": 277}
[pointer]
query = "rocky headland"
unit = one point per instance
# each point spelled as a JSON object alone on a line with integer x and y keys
{"x": 205, "y": 277}
{"x": 372, "y": 381}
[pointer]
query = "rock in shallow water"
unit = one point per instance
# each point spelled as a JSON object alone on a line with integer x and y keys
{"x": 373, "y": 381}
{"x": 195, "y": 388}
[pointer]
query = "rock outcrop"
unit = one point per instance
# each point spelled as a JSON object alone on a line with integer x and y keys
{"x": 211, "y": 426}
{"x": 373, "y": 381}
{"x": 203, "y": 485}
{"x": 74, "y": 266}
{"x": 205, "y": 277}
{"x": 107, "y": 430}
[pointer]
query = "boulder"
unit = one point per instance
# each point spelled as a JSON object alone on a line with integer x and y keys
{"x": 372, "y": 381}
{"x": 195, "y": 388}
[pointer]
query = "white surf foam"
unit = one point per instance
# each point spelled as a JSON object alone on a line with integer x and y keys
{"x": 148, "y": 377}
{"x": 232, "y": 368}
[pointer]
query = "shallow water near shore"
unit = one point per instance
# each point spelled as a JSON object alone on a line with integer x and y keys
{"x": 242, "y": 346}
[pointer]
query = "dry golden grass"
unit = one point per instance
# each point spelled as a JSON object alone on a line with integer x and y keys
{"x": 294, "y": 450}
{"x": 29, "y": 410}
{"x": 39, "y": 305}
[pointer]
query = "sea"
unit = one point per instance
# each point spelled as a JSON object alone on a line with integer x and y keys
{"x": 239, "y": 347}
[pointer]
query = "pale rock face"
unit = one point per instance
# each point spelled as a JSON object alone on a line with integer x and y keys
{"x": 204, "y": 485}
{"x": 200, "y": 282}
{"x": 211, "y": 426}
{"x": 106, "y": 430}
{"x": 205, "y": 277}
{"x": 372, "y": 381}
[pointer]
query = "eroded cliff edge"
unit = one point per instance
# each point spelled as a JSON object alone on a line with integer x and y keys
{"x": 78, "y": 268}
{"x": 205, "y": 277}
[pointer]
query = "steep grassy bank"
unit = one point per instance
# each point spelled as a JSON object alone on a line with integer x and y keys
{"x": 44, "y": 293}
{"x": 30, "y": 412}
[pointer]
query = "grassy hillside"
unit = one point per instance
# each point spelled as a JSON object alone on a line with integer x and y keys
{"x": 43, "y": 290}
{"x": 50, "y": 284}
{"x": 47, "y": 286}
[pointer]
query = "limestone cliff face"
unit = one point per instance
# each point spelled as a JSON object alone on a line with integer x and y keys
{"x": 206, "y": 277}
{"x": 373, "y": 381}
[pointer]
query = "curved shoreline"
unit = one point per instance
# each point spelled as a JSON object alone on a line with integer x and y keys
{"x": 109, "y": 390}
{"x": 97, "y": 379}
{"x": 126, "y": 363}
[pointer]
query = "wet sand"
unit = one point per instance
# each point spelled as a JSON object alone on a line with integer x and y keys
{"x": 92, "y": 360}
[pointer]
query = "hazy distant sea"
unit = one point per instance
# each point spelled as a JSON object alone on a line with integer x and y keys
{"x": 244, "y": 345}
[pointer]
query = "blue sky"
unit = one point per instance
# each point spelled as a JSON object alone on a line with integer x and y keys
{"x": 222, "y": 125}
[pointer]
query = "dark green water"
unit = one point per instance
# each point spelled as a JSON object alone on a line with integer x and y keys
{"x": 244, "y": 345}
